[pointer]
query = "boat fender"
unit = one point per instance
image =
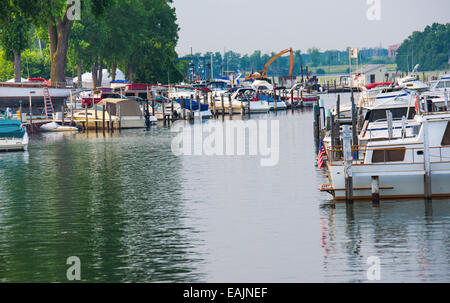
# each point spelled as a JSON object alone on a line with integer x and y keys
{"x": 416, "y": 104}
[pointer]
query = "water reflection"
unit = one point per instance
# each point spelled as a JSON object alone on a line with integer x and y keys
{"x": 412, "y": 242}
{"x": 116, "y": 206}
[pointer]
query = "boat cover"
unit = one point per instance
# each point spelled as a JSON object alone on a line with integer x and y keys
{"x": 203, "y": 107}
{"x": 11, "y": 129}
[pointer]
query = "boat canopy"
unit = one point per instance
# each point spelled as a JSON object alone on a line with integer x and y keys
{"x": 128, "y": 107}
{"x": 11, "y": 129}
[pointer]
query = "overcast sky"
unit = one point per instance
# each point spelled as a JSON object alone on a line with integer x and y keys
{"x": 272, "y": 25}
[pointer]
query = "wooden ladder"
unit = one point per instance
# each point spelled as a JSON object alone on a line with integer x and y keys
{"x": 48, "y": 104}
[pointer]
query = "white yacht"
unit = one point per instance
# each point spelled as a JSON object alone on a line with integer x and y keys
{"x": 399, "y": 164}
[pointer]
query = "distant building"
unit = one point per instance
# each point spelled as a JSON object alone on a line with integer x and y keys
{"x": 374, "y": 73}
{"x": 392, "y": 50}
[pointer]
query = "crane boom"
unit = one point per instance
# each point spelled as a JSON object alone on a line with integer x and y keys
{"x": 263, "y": 73}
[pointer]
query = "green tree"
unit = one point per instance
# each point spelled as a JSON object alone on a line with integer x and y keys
{"x": 14, "y": 38}
{"x": 314, "y": 55}
{"x": 53, "y": 15}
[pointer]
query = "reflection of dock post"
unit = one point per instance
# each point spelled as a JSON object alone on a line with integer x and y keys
{"x": 426, "y": 155}
{"x": 375, "y": 189}
{"x": 348, "y": 158}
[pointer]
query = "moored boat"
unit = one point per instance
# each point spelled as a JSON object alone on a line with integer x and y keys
{"x": 13, "y": 136}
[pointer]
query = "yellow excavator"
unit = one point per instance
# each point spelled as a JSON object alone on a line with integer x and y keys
{"x": 263, "y": 73}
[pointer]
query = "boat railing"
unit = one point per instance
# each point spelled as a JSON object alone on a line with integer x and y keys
{"x": 390, "y": 155}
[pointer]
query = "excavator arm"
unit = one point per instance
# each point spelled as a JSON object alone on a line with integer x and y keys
{"x": 264, "y": 71}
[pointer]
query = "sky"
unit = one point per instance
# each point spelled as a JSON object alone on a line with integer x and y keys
{"x": 273, "y": 25}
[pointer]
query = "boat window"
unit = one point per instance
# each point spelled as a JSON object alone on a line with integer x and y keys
{"x": 440, "y": 84}
{"x": 388, "y": 155}
{"x": 397, "y": 113}
{"x": 446, "y": 138}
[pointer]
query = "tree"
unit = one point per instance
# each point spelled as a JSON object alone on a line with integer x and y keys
{"x": 314, "y": 54}
{"x": 54, "y": 16}
{"x": 429, "y": 49}
{"x": 15, "y": 38}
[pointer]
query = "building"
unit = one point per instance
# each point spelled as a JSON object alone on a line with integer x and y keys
{"x": 392, "y": 50}
{"x": 374, "y": 73}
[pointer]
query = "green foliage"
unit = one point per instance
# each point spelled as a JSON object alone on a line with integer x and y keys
{"x": 314, "y": 55}
{"x": 429, "y": 48}
{"x": 14, "y": 34}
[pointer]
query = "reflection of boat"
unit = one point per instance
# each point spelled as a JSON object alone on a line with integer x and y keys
{"x": 13, "y": 136}
{"x": 119, "y": 113}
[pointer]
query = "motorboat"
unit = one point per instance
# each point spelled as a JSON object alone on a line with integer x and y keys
{"x": 118, "y": 113}
{"x": 301, "y": 96}
{"x": 59, "y": 127}
{"x": 243, "y": 98}
{"x": 398, "y": 164}
{"x": 13, "y": 136}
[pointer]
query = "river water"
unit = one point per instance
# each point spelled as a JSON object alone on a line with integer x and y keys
{"x": 132, "y": 211}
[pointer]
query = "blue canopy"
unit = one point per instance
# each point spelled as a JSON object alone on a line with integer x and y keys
{"x": 203, "y": 107}
{"x": 11, "y": 129}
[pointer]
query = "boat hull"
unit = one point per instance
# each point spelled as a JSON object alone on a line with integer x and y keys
{"x": 14, "y": 144}
{"x": 396, "y": 181}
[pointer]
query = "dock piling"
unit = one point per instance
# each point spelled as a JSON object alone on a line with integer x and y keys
{"x": 375, "y": 190}
{"x": 348, "y": 159}
{"x": 427, "y": 163}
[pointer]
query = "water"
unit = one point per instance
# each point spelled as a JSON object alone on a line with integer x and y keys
{"x": 134, "y": 212}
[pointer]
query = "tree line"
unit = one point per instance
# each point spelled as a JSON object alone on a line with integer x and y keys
{"x": 136, "y": 36}
{"x": 429, "y": 48}
{"x": 200, "y": 63}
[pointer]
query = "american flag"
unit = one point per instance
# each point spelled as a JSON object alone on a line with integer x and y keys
{"x": 320, "y": 156}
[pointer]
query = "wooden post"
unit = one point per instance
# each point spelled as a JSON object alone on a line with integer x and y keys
{"x": 96, "y": 117}
{"x": 87, "y": 118}
{"x": 292, "y": 101}
{"x": 183, "y": 107}
{"x": 119, "y": 111}
{"x": 62, "y": 112}
{"x": 301, "y": 99}
{"x": 248, "y": 106}
{"x": 230, "y": 109}
{"x": 163, "y": 104}
{"x": 153, "y": 106}
{"x": 446, "y": 99}
{"x": 348, "y": 159}
{"x": 389, "y": 124}
{"x": 213, "y": 101}
{"x": 223, "y": 105}
{"x": 172, "y": 110}
{"x": 110, "y": 125}
{"x": 31, "y": 114}
{"x": 427, "y": 163}
{"x": 71, "y": 108}
{"x": 354, "y": 130}
{"x": 242, "y": 108}
{"x": 275, "y": 105}
{"x": 375, "y": 190}
{"x": 103, "y": 117}
{"x": 191, "y": 114}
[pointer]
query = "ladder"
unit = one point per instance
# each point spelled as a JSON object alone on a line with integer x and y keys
{"x": 48, "y": 105}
